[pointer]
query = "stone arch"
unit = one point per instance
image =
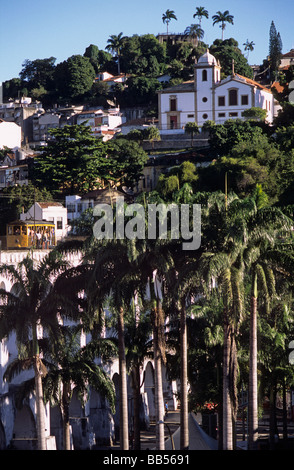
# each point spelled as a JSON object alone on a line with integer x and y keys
{"x": 24, "y": 430}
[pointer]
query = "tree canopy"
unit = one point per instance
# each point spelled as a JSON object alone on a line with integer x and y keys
{"x": 74, "y": 161}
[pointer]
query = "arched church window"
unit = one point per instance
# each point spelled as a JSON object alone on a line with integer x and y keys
{"x": 204, "y": 75}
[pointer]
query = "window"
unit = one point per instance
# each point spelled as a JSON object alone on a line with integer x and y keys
{"x": 71, "y": 208}
{"x": 204, "y": 99}
{"x": 204, "y": 75}
{"x": 221, "y": 114}
{"x": 233, "y": 97}
{"x": 233, "y": 114}
{"x": 244, "y": 100}
{"x": 59, "y": 223}
{"x": 190, "y": 115}
{"x": 221, "y": 101}
{"x": 173, "y": 103}
{"x": 205, "y": 116}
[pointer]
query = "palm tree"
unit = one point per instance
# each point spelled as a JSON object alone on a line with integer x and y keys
{"x": 154, "y": 261}
{"x": 139, "y": 346}
{"x": 223, "y": 18}
{"x": 114, "y": 281}
{"x": 195, "y": 32}
{"x": 167, "y": 17}
{"x": 242, "y": 228}
{"x": 224, "y": 226}
{"x": 192, "y": 128}
{"x": 266, "y": 261}
{"x": 71, "y": 366}
{"x": 114, "y": 45}
{"x": 249, "y": 46}
{"x": 33, "y": 301}
{"x": 200, "y": 13}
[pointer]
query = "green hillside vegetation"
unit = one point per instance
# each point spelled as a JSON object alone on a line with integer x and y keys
{"x": 143, "y": 58}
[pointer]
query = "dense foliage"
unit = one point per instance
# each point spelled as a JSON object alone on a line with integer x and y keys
{"x": 143, "y": 58}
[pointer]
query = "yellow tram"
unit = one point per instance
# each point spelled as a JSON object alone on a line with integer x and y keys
{"x": 38, "y": 234}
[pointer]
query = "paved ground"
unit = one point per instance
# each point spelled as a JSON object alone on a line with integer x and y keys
{"x": 197, "y": 438}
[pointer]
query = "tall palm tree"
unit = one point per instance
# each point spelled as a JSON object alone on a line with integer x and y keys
{"x": 167, "y": 17}
{"x": 265, "y": 265}
{"x": 115, "y": 280}
{"x": 154, "y": 261}
{"x": 241, "y": 226}
{"x": 201, "y": 12}
{"x": 114, "y": 45}
{"x": 195, "y": 32}
{"x": 71, "y": 366}
{"x": 249, "y": 46}
{"x": 224, "y": 226}
{"x": 33, "y": 301}
{"x": 223, "y": 18}
{"x": 139, "y": 346}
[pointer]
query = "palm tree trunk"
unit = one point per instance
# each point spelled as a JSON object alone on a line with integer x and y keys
{"x": 136, "y": 397}
{"x": 159, "y": 405}
{"x": 285, "y": 426}
{"x": 123, "y": 416}
{"x": 273, "y": 434}
{"x": 184, "y": 429}
{"x": 157, "y": 350}
{"x": 40, "y": 406}
{"x": 227, "y": 406}
{"x": 65, "y": 413}
{"x": 253, "y": 397}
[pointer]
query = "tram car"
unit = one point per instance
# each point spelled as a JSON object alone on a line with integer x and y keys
{"x": 38, "y": 234}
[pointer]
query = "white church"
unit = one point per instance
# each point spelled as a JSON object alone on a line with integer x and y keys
{"x": 207, "y": 97}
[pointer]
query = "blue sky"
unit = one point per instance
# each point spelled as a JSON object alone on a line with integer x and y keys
{"x": 37, "y": 29}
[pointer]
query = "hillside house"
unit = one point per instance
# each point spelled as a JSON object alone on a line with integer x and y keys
{"x": 10, "y": 135}
{"x": 104, "y": 123}
{"x": 76, "y": 205}
{"x": 287, "y": 59}
{"x": 42, "y": 123}
{"x": 52, "y": 212}
{"x": 111, "y": 80}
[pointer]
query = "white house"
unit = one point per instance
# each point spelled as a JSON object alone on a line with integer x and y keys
{"x": 52, "y": 212}
{"x": 287, "y": 59}
{"x": 10, "y": 135}
{"x": 104, "y": 123}
{"x": 42, "y": 122}
{"x": 207, "y": 97}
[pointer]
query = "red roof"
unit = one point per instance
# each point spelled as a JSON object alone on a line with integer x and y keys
{"x": 253, "y": 83}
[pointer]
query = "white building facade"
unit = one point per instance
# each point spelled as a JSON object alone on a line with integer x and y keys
{"x": 10, "y": 135}
{"x": 207, "y": 97}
